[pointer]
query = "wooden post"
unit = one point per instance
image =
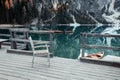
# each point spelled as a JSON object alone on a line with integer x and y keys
{"x": 11, "y": 33}
{"x": 51, "y": 43}
{"x": 26, "y": 37}
{"x": 0, "y": 44}
{"x": 83, "y": 44}
{"x": 51, "y": 40}
{"x": 13, "y": 43}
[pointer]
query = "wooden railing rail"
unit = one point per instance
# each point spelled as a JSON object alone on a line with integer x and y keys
{"x": 84, "y": 45}
{"x": 25, "y": 32}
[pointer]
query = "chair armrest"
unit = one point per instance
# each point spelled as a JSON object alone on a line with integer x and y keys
{"x": 41, "y": 42}
{"x": 41, "y": 46}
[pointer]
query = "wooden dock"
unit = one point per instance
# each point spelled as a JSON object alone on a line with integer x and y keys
{"x": 18, "y": 67}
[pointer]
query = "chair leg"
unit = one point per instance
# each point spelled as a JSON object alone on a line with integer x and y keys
{"x": 33, "y": 61}
{"x": 48, "y": 60}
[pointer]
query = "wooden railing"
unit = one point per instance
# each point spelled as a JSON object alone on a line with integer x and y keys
{"x": 23, "y": 35}
{"x": 24, "y": 32}
{"x": 84, "y": 45}
{"x": 5, "y": 36}
{"x": 18, "y": 42}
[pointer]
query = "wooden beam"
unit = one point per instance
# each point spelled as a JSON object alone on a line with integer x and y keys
{"x": 39, "y": 31}
{"x": 27, "y": 41}
{"x": 6, "y": 35}
{"x": 11, "y": 25}
{"x": 19, "y": 51}
{"x": 2, "y": 40}
{"x": 6, "y": 43}
{"x": 58, "y": 31}
{"x": 100, "y": 35}
{"x": 101, "y": 47}
{"x": 24, "y": 52}
{"x": 100, "y": 61}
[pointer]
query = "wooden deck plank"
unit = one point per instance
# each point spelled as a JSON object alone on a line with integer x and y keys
{"x": 7, "y": 77}
{"x": 56, "y": 74}
{"x": 74, "y": 63}
{"x": 66, "y": 76}
{"x": 78, "y": 67}
{"x": 62, "y": 66}
{"x": 25, "y": 75}
{"x": 17, "y": 67}
{"x": 112, "y": 58}
{"x": 83, "y": 69}
{"x": 29, "y": 71}
{"x": 3, "y": 79}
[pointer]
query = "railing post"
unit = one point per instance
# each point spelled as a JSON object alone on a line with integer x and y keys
{"x": 83, "y": 44}
{"x": 51, "y": 40}
{"x": 51, "y": 43}
{"x": 26, "y": 37}
{"x": 13, "y": 43}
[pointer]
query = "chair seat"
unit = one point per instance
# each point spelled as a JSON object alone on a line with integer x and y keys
{"x": 42, "y": 52}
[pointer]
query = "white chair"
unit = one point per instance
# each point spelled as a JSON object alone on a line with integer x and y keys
{"x": 43, "y": 52}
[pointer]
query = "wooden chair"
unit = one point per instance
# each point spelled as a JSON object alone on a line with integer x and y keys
{"x": 43, "y": 52}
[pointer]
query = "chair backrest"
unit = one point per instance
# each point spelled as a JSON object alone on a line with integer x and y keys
{"x": 34, "y": 52}
{"x": 31, "y": 43}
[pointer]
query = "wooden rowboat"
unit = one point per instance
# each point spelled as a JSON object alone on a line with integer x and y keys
{"x": 98, "y": 55}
